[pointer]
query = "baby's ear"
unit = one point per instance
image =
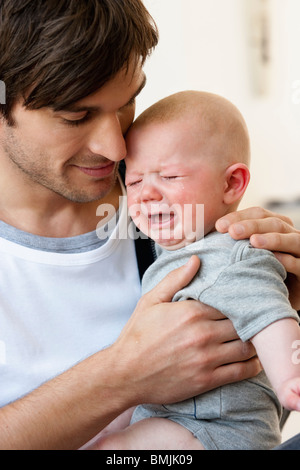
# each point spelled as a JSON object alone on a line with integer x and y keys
{"x": 237, "y": 178}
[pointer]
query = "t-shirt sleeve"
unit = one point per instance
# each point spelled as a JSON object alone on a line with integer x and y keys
{"x": 251, "y": 292}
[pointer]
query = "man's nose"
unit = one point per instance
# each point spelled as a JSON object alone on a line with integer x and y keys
{"x": 106, "y": 138}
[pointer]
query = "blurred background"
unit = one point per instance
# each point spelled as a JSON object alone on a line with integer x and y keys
{"x": 247, "y": 51}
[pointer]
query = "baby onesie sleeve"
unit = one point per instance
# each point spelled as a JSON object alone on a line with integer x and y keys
{"x": 250, "y": 291}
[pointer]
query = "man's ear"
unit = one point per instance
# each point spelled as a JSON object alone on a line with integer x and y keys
{"x": 237, "y": 179}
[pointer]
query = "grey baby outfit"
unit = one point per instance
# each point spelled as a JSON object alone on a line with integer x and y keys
{"x": 246, "y": 285}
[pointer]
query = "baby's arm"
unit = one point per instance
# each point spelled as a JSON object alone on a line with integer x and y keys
{"x": 275, "y": 346}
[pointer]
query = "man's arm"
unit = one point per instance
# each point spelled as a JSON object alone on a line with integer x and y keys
{"x": 272, "y": 232}
{"x": 167, "y": 352}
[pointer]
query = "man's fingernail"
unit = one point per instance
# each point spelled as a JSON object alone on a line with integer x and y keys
{"x": 189, "y": 262}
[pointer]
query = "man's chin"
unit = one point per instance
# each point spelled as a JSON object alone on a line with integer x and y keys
{"x": 92, "y": 193}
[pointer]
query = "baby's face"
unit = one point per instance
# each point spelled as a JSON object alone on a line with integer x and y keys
{"x": 170, "y": 176}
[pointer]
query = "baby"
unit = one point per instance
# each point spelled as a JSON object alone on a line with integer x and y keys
{"x": 188, "y": 151}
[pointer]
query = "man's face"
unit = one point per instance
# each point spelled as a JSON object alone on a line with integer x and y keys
{"x": 75, "y": 152}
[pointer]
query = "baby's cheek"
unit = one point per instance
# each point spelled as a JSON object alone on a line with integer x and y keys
{"x": 134, "y": 211}
{"x": 131, "y": 199}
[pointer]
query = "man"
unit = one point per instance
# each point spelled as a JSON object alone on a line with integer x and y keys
{"x": 75, "y": 356}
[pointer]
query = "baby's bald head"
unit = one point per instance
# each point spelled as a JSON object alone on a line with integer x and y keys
{"x": 216, "y": 122}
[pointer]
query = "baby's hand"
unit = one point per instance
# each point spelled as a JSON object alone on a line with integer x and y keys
{"x": 289, "y": 394}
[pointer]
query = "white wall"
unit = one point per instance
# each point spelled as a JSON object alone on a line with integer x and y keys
{"x": 205, "y": 44}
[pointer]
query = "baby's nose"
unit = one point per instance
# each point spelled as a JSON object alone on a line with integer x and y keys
{"x": 150, "y": 192}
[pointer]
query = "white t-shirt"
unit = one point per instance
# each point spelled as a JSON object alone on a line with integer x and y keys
{"x": 58, "y": 308}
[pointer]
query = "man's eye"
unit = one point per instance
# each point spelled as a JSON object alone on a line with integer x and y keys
{"x": 76, "y": 122}
{"x": 130, "y": 103}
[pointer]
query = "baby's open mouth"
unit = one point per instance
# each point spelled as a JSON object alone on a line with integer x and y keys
{"x": 160, "y": 218}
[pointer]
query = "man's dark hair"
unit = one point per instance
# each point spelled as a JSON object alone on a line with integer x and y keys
{"x": 56, "y": 52}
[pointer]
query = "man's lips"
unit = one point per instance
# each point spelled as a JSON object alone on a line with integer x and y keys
{"x": 98, "y": 171}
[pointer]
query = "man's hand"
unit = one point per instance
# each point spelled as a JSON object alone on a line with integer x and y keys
{"x": 171, "y": 351}
{"x": 269, "y": 231}
{"x": 168, "y": 351}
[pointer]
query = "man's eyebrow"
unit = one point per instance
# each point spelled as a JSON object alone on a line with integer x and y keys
{"x": 77, "y": 108}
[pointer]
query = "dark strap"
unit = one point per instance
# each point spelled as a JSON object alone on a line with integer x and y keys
{"x": 144, "y": 253}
